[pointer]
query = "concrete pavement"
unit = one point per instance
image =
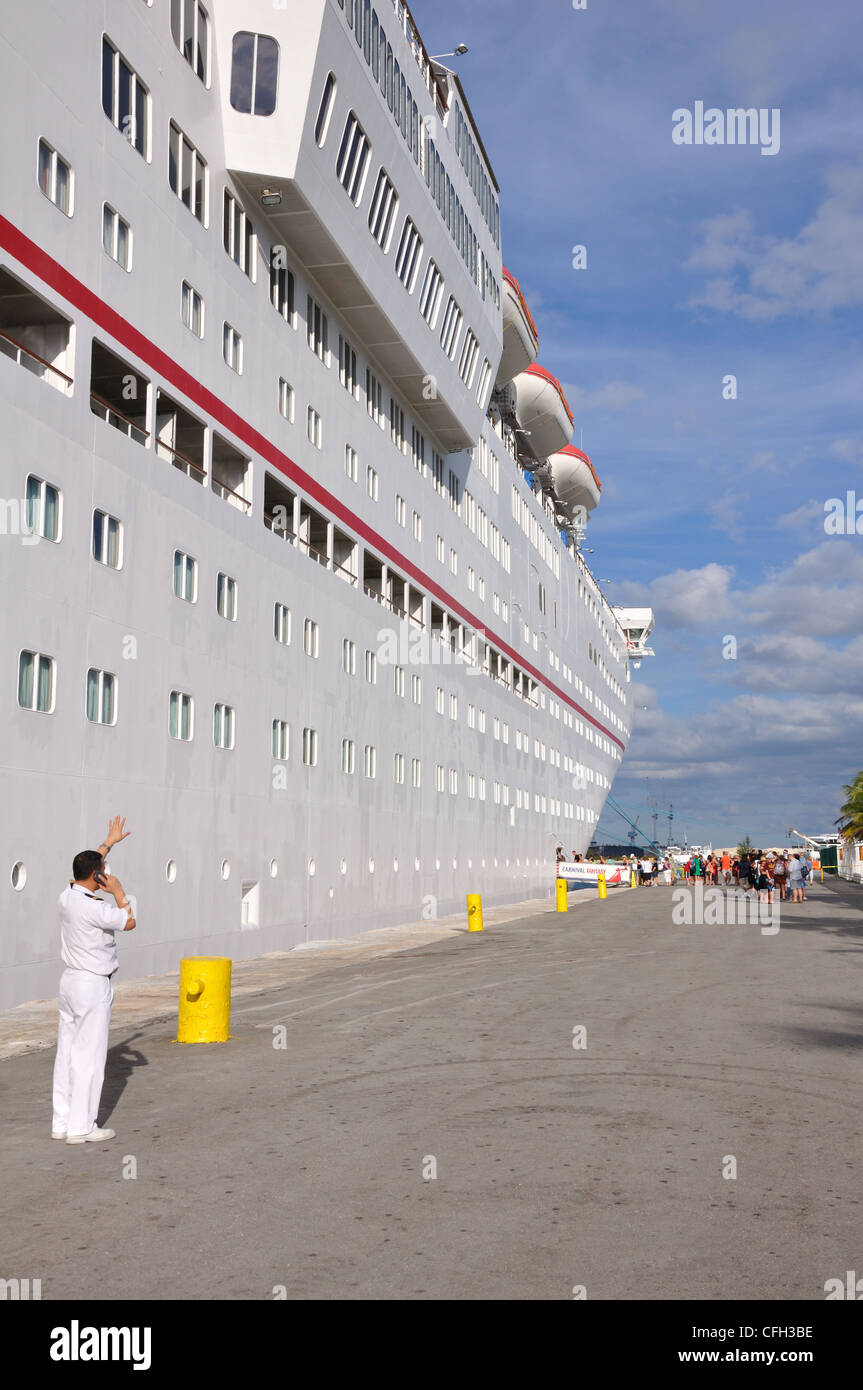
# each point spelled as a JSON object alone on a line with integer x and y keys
{"x": 420, "y": 1125}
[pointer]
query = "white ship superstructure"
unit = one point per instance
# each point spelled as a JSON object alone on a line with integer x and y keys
{"x": 291, "y": 515}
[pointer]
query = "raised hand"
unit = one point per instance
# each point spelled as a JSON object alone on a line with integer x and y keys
{"x": 116, "y": 833}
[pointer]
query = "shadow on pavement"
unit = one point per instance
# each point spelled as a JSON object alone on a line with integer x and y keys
{"x": 122, "y": 1061}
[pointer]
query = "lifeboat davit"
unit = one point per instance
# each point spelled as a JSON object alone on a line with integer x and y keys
{"x": 542, "y": 410}
{"x": 520, "y": 338}
{"x": 575, "y": 480}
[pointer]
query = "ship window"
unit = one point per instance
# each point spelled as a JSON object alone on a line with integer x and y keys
{"x": 282, "y": 285}
{"x": 467, "y": 361}
{"x": 450, "y": 328}
{"x": 55, "y": 178}
{"x": 101, "y": 697}
{"x": 282, "y": 624}
{"x": 223, "y": 725}
{"x": 348, "y": 756}
{"x": 409, "y": 255}
{"x": 181, "y": 717}
{"x": 226, "y": 597}
{"x": 118, "y": 393}
{"x": 254, "y": 73}
{"x": 116, "y": 237}
{"x": 370, "y": 760}
{"x": 372, "y": 482}
{"x": 232, "y": 348}
{"x": 43, "y": 509}
{"x": 348, "y": 367}
{"x": 353, "y": 159}
{"x": 349, "y": 656}
{"x": 310, "y": 747}
{"x": 286, "y": 400}
{"x": 185, "y": 577}
{"x": 281, "y": 740}
{"x": 344, "y": 556}
{"x": 310, "y": 637}
{"x": 382, "y": 212}
{"x": 351, "y": 463}
{"x": 231, "y": 475}
{"x": 180, "y": 437}
{"x": 191, "y": 30}
{"x": 192, "y": 309}
{"x": 36, "y": 682}
{"x": 317, "y": 330}
{"x": 481, "y": 390}
{"x": 125, "y": 99}
{"x": 107, "y": 540}
{"x": 399, "y": 768}
{"x": 187, "y": 173}
{"x": 314, "y": 427}
{"x": 239, "y": 236}
{"x": 278, "y": 508}
{"x": 325, "y": 110}
{"x": 371, "y": 668}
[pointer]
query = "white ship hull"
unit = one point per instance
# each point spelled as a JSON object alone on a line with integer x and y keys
{"x": 236, "y": 851}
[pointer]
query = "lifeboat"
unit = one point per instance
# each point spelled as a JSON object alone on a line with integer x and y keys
{"x": 575, "y": 480}
{"x": 542, "y": 410}
{"x": 520, "y": 338}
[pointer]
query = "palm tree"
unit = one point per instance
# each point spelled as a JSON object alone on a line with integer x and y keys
{"x": 745, "y": 847}
{"x": 850, "y": 822}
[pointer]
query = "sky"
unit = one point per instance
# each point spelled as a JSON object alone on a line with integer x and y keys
{"x": 703, "y": 262}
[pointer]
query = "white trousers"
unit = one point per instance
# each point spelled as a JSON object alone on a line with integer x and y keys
{"x": 82, "y": 1046}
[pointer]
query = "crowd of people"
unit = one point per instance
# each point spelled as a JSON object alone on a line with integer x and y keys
{"x": 764, "y": 872}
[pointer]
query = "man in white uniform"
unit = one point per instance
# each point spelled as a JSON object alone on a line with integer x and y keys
{"x": 88, "y": 927}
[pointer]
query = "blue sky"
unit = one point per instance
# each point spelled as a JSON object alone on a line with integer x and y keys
{"x": 702, "y": 261}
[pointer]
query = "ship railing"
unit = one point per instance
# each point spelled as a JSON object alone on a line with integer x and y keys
{"x": 318, "y": 555}
{"x": 185, "y": 462}
{"x": 222, "y": 488}
{"x": 31, "y": 356}
{"x": 411, "y": 32}
{"x": 126, "y": 425}
{"x": 344, "y": 572}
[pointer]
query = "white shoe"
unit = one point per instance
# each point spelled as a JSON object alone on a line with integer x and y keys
{"x": 94, "y": 1137}
{"x": 58, "y": 1134}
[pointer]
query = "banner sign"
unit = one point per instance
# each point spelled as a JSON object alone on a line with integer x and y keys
{"x": 589, "y": 873}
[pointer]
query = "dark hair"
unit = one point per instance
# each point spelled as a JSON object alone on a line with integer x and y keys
{"x": 86, "y": 863}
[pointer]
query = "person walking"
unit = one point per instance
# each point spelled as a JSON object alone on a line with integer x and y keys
{"x": 725, "y": 865}
{"x": 780, "y": 873}
{"x": 88, "y": 947}
{"x": 744, "y": 872}
{"x": 795, "y": 879}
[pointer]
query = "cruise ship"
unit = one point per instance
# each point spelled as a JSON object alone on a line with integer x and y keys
{"x": 292, "y": 519}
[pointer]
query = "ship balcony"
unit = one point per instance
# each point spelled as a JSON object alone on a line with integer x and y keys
{"x": 34, "y": 334}
{"x": 520, "y": 337}
{"x": 636, "y": 624}
{"x": 575, "y": 482}
{"x": 542, "y": 411}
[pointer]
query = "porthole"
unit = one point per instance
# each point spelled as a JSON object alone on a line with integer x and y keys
{"x": 225, "y": 869}
{"x": 274, "y": 868}
{"x": 171, "y": 870}
{"x": 18, "y": 876}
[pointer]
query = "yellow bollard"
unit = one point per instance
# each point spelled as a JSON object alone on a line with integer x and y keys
{"x": 633, "y": 879}
{"x": 601, "y": 885}
{"x": 562, "y": 901}
{"x": 474, "y": 912}
{"x": 205, "y": 999}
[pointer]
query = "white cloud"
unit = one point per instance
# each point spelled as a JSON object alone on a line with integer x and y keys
{"x": 685, "y": 598}
{"x": 614, "y": 395}
{"x": 850, "y": 450}
{"x": 816, "y": 271}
